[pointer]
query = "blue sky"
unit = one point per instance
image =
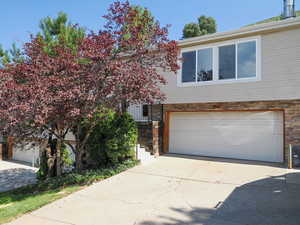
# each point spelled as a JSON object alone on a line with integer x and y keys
{"x": 19, "y": 18}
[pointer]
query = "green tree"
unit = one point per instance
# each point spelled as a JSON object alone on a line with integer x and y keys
{"x": 53, "y": 31}
{"x": 60, "y": 30}
{"x": 4, "y": 57}
{"x": 13, "y": 55}
{"x": 191, "y": 30}
{"x": 205, "y": 25}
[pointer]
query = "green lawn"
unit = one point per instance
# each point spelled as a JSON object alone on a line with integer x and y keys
{"x": 26, "y": 199}
{"x": 14, "y": 205}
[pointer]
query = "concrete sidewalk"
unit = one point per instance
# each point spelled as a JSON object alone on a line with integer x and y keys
{"x": 174, "y": 190}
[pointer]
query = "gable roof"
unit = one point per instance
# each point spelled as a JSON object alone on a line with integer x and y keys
{"x": 272, "y": 19}
{"x": 257, "y": 29}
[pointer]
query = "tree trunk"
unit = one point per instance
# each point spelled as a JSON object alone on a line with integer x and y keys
{"x": 78, "y": 160}
{"x": 58, "y": 158}
{"x": 124, "y": 106}
{"x": 50, "y": 159}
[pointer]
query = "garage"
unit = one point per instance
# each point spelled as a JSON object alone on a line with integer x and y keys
{"x": 26, "y": 153}
{"x": 238, "y": 135}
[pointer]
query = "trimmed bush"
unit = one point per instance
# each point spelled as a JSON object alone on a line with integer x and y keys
{"x": 113, "y": 140}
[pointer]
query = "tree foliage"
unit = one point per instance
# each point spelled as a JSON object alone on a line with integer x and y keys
{"x": 191, "y": 30}
{"x": 112, "y": 140}
{"x": 205, "y": 25}
{"x": 59, "y": 30}
{"x": 14, "y": 55}
{"x": 58, "y": 86}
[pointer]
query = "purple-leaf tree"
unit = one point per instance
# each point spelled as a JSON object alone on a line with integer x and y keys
{"x": 117, "y": 66}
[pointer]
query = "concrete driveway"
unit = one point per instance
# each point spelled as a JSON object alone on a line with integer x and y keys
{"x": 178, "y": 191}
{"x": 14, "y": 174}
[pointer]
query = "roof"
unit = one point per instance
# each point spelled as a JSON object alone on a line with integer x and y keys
{"x": 272, "y": 19}
{"x": 258, "y": 29}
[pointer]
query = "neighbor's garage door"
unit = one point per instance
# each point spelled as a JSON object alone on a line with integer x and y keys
{"x": 26, "y": 153}
{"x": 240, "y": 135}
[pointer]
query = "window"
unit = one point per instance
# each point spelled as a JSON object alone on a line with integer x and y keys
{"x": 246, "y": 59}
{"x": 189, "y": 67}
{"x": 145, "y": 111}
{"x": 205, "y": 65}
{"x": 226, "y": 62}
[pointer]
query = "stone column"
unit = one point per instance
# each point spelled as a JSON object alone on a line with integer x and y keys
{"x": 155, "y": 138}
{"x": 10, "y": 145}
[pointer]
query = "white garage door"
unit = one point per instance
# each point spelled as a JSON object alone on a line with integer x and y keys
{"x": 26, "y": 153}
{"x": 239, "y": 135}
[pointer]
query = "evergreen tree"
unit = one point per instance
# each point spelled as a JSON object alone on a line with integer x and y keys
{"x": 205, "y": 25}
{"x": 191, "y": 30}
{"x": 14, "y": 55}
{"x": 59, "y": 30}
{"x": 53, "y": 31}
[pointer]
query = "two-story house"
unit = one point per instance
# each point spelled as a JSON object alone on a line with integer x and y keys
{"x": 237, "y": 94}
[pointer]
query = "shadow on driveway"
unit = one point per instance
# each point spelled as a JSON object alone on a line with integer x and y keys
{"x": 271, "y": 201}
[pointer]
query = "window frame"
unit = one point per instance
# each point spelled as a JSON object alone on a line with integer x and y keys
{"x": 215, "y": 50}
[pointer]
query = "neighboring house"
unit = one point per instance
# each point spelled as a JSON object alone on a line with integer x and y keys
{"x": 28, "y": 152}
{"x": 237, "y": 94}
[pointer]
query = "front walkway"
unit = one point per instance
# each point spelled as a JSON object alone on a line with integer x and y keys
{"x": 181, "y": 191}
{"x": 15, "y": 174}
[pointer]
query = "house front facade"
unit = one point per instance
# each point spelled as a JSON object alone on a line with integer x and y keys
{"x": 237, "y": 94}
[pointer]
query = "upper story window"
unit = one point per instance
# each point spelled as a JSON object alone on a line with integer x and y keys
{"x": 189, "y": 67}
{"x": 246, "y": 62}
{"x": 205, "y": 65}
{"x": 227, "y": 62}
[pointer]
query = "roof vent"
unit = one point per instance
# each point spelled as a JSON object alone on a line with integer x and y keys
{"x": 289, "y": 9}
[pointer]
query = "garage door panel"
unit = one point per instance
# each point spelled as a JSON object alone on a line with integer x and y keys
{"x": 219, "y": 135}
{"x": 228, "y": 134}
{"x": 191, "y": 125}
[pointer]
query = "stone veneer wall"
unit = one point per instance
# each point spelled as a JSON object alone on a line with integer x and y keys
{"x": 145, "y": 135}
{"x": 156, "y": 111}
{"x": 149, "y": 134}
{"x": 291, "y": 109}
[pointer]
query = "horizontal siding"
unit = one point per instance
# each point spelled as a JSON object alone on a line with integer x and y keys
{"x": 280, "y": 78}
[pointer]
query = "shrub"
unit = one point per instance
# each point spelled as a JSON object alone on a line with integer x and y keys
{"x": 113, "y": 140}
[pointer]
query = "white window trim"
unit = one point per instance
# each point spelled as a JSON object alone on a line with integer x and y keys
{"x": 215, "y": 48}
